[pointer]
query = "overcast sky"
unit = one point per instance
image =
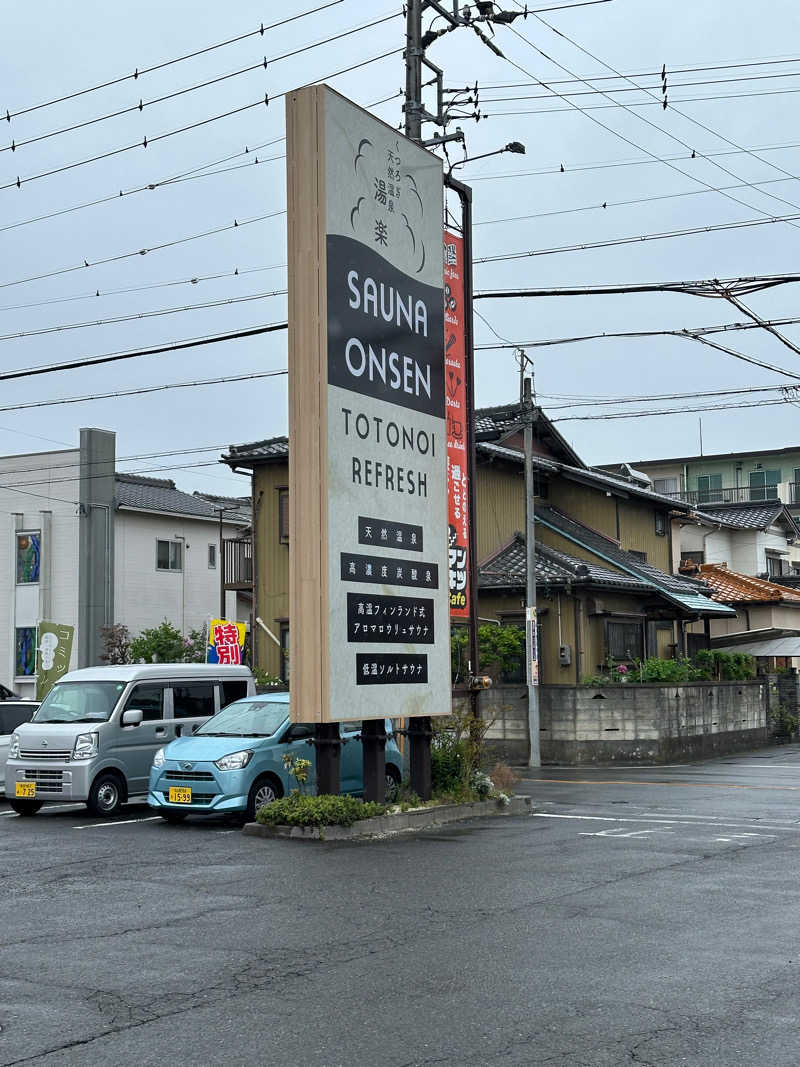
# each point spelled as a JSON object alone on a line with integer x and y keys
{"x": 53, "y": 49}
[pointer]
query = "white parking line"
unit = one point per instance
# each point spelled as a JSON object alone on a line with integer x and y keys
{"x": 668, "y": 822}
{"x": 121, "y": 822}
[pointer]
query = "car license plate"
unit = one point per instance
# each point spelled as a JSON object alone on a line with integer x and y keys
{"x": 179, "y": 795}
{"x": 26, "y": 789}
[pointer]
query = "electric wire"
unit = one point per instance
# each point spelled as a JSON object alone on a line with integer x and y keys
{"x": 263, "y": 64}
{"x": 157, "y": 313}
{"x": 135, "y": 353}
{"x": 263, "y": 102}
{"x": 639, "y": 147}
{"x": 9, "y": 115}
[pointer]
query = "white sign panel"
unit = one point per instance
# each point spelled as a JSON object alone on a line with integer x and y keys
{"x": 382, "y": 424}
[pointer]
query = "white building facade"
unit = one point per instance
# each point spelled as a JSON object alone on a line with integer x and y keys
{"x": 155, "y": 555}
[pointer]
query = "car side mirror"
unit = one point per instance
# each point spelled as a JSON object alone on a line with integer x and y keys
{"x": 132, "y": 717}
{"x": 298, "y": 732}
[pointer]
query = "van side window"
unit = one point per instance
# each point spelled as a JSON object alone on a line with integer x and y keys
{"x": 230, "y": 691}
{"x": 193, "y": 700}
{"x": 149, "y": 699}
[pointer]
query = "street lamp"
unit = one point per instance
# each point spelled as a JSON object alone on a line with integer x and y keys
{"x": 516, "y": 147}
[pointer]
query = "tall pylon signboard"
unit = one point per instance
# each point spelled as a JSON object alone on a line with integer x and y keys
{"x": 368, "y": 550}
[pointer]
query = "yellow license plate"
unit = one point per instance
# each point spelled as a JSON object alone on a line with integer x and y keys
{"x": 179, "y": 795}
{"x": 26, "y": 789}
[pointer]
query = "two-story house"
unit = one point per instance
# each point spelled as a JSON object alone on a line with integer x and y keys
{"x": 610, "y": 539}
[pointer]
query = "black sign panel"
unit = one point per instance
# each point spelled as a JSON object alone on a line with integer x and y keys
{"x": 382, "y": 570}
{"x": 386, "y": 668}
{"x": 398, "y": 620}
{"x": 385, "y": 534}
{"x": 385, "y": 329}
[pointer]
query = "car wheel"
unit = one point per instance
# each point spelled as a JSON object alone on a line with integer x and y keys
{"x": 105, "y": 796}
{"x": 392, "y": 782}
{"x": 173, "y": 816}
{"x": 263, "y": 791}
{"x": 25, "y": 807}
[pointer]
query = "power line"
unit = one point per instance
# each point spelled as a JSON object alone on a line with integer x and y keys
{"x": 261, "y": 65}
{"x": 643, "y": 103}
{"x": 168, "y": 62}
{"x": 671, "y": 411}
{"x": 173, "y": 346}
{"x": 614, "y": 242}
{"x": 599, "y": 401}
{"x": 264, "y": 102}
{"x": 137, "y": 392}
{"x": 627, "y": 140}
{"x": 689, "y": 118}
{"x": 706, "y": 288}
{"x": 64, "y": 327}
{"x": 101, "y": 293}
{"x": 637, "y": 334}
{"x": 623, "y": 203}
{"x": 576, "y": 168}
{"x": 235, "y": 225}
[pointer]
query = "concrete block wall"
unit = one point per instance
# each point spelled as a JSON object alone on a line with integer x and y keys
{"x": 651, "y": 723}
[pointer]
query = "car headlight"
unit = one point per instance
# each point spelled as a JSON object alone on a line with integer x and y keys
{"x": 158, "y": 759}
{"x": 235, "y": 761}
{"x": 13, "y": 747}
{"x": 85, "y": 746}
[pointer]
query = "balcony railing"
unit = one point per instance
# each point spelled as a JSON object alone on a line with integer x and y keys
{"x": 786, "y": 493}
{"x": 238, "y": 563}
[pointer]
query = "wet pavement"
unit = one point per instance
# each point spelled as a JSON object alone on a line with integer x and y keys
{"x": 639, "y": 915}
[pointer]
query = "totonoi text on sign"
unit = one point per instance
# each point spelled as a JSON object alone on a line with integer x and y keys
{"x": 368, "y": 539}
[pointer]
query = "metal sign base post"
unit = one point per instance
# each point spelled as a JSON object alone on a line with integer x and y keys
{"x": 373, "y": 746}
{"x": 419, "y": 750}
{"x": 328, "y": 744}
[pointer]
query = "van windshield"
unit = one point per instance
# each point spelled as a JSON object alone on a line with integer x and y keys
{"x": 247, "y": 718}
{"x": 79, "y": 702}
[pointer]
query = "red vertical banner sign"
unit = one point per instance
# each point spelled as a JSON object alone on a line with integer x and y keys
{"x": 456, "y": 414}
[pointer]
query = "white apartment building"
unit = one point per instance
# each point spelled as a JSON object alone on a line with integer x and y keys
{"x": 88, "y": 547}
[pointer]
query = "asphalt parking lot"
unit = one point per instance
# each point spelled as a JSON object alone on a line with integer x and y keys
{"x": 640, "y": 916}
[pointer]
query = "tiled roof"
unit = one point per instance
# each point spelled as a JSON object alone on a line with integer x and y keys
{"x": 508, "y": 567}
{"x": 603, "y": 478}
{"x": 272, "y": 449}
{"x": 238, "y": 506}
{"x": 161, "y": 494}
{"x": 688, "y": 594}
{"x": 730, "y": 587}
{"x": 513, "y": 455}
{"x": 744, "y": 516}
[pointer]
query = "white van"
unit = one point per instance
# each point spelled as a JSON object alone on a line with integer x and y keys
{"x": 94, "y": 735}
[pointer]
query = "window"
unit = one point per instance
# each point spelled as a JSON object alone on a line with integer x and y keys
{"x": 149, "y": 699}
{"x": 641, "y": 557}
{"x": 25, "y": 657}
{"x": 775, "y": 566}
{"x": 624, "y": 639}
{"x": 667, "y": 486}
{"x": 796, "y": 568}
{"x": 212, "y": 557}
{"x": 13, "y": 715}
{"x": 764, "y": 485}
{"x": 194, "y": 700}
{"x": 693, "y": 557}
{"x": 284, "y": 652}
{"x": 660, "y": 524}
{"x": 28, "y": 557}
{"x": 709, "y": 488}
{"x": 283, "y": 516}
{"x": 230, "y": 691}
{"x": 169, "y": 556}
{"x": 541, "y": 487}
{"x": 795, "y": 486}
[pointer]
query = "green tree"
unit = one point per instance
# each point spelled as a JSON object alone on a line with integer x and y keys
{"x": 160, "y": 644}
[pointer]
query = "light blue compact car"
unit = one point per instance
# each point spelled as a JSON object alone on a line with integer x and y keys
{"x": 233, "y": 764}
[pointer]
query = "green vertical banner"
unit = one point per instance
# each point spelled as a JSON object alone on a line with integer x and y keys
{"x": 55, "y": 649}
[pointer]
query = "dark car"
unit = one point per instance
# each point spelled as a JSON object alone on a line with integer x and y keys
{"x": 13, "y": 712}
{"x": 7, "y": 694}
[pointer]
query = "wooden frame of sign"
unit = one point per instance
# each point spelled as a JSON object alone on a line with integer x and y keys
{"x": 368, "y": 551}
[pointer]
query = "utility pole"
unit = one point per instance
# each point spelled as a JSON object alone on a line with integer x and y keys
{"x": 413, "y": 56}
{"x": 531, "y": 622}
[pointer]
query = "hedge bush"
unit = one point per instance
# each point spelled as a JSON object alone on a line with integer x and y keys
{"x": 325, "y": 810}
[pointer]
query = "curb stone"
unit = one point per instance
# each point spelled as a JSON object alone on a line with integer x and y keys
{"x": 381, "y": 825}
